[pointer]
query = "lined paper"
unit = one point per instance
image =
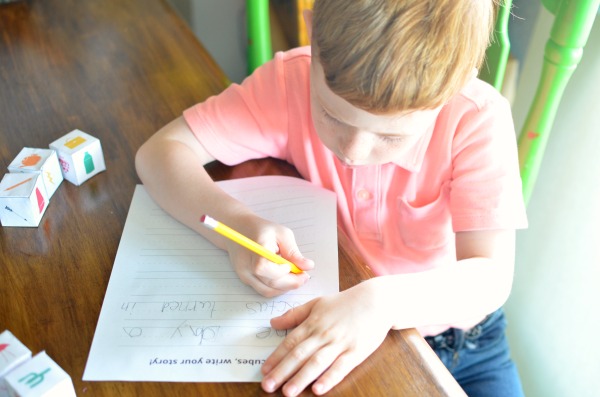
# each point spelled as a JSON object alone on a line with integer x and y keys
{"x": 174, "y": 308}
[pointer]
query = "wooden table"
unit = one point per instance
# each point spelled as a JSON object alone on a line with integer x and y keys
{"x": 120, "y": 70}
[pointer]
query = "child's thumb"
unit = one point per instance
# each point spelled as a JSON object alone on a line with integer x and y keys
{"x": 293, "y": 254}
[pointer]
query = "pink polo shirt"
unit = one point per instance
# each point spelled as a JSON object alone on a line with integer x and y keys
{"x": 461, "y": 175}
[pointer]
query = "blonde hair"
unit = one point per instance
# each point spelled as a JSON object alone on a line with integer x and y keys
{"x": 390, "y": 55}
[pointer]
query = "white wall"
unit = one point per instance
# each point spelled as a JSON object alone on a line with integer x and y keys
{"x": 554, "y": 308}
{"x": 221, "y": 27}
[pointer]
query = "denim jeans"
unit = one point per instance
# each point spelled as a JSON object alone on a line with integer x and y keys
{"x": 479, "y": 358}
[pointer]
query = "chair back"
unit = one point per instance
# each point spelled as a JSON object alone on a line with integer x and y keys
{"x": 259, "y": 48}
{"x": 496, "y": 56}
{"x": 573, "y": 20}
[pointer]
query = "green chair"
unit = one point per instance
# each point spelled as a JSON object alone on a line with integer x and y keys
{"x": 573, "y": 20}
{"x": 572, "y": 24}
{"x": 496, "y": 56}
{"x": 259, "y": 48}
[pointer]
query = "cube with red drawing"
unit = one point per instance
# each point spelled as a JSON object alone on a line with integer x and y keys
{"x": 23, "y": 199}
{"x": 80, "y": 156}
{"x": 12, "y": 354}
{"x": 39, "y": 161}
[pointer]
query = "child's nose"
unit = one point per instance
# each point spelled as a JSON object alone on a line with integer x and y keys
{"x": 356, "y": 146}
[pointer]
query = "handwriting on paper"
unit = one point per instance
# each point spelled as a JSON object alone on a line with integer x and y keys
{"x": 174, "y": 300}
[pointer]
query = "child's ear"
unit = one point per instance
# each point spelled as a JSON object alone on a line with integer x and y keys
{"x": 307, "y": 14}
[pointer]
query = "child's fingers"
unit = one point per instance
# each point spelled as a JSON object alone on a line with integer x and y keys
{"x": 299, "y": 260}
{"x": 278, "y": 277}
{"x": 288, "y": 248}
{"x": 303, "y": 263}
{"x": 319, "y": 361}
{"x": 271, "y": 288}
{"x": 290, "y": 319}
{"x": 268, "y": 291}
{"x": 335, "y": 373}
{"x": 294, "y": 369}
{"x": 293, "y": 317}
{"x": 301, "y": 358}
{"x": 286, "y": 283}
{"x": 291, "y": 353}
{"x": 266, "y": 269}
{"x": 265, "y": 277}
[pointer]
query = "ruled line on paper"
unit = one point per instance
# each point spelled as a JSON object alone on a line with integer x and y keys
{"x": 174, "y": 298}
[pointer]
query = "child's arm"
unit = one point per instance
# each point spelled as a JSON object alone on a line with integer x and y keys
{"x": 336, "y": 333}
{"x": 171, "y": 166}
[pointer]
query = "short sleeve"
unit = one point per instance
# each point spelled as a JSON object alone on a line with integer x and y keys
{"x": 246, "y": 121}
{"x": 486, "y": 185}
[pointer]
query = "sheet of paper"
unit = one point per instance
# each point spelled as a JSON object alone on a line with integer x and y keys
{"x": 175, "y": 310}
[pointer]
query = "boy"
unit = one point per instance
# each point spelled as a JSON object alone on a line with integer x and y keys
{"x": 385, "y": 110}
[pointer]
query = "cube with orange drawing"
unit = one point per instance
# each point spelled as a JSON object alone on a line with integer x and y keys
{"x": 39, "y": 161}
{"x": 80, "y": 156}
{"x": 23, "y": 199}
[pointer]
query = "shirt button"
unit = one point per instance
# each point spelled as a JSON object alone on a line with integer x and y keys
{"x": 363, "y": 194}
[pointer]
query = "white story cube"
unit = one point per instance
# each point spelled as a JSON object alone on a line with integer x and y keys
{"x": 40, "y": 376}
{"x": 80, "y": 156}
{"x": 12, "y": 354}
{"x": 23, "y": 200}
{"x": 39, "y": 161}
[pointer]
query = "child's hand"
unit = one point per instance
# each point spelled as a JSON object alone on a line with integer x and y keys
{"x": 267, "y": 278}
{"x": 334, "y": 334}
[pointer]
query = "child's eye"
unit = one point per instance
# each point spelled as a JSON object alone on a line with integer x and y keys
{"x": 392, "y": 138}
{"x": 330, "y": 118}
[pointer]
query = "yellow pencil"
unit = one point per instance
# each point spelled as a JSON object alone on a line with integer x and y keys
{"x": 244, "y": 241}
